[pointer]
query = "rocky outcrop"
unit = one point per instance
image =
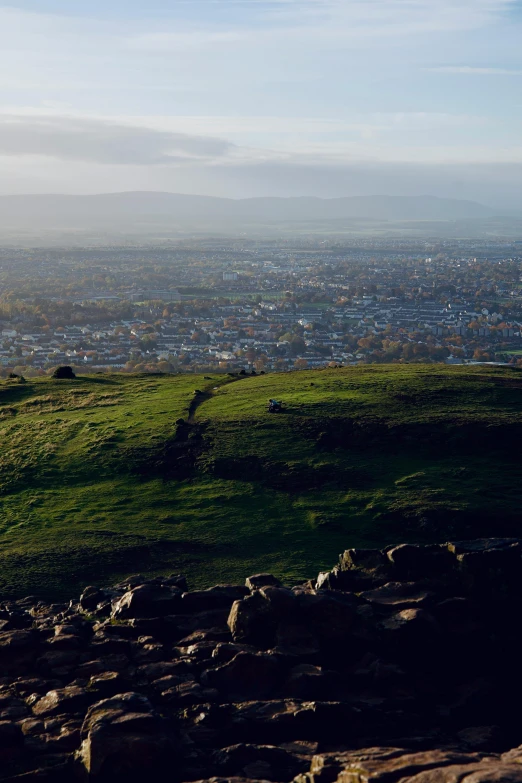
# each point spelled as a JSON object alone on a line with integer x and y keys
{"x": 398, "y": 665}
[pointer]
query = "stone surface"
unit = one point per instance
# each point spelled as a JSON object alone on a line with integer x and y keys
{"x": 147, "y": 600}
{"x": 397, "y": 666}
{"x": 123, "y": 738}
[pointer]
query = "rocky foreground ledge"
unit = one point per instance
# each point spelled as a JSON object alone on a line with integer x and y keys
{"x": 398, "y": 665}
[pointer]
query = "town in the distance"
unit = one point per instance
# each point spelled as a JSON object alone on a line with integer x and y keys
{"x": 224, "y": 305}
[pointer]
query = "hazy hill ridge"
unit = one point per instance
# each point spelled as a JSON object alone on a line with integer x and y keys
{"x": 66, "y": 211}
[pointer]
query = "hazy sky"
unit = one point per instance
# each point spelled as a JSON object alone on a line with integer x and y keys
{"x": 247, "y": 97}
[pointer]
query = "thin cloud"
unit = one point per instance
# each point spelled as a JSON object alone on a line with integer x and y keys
{"x": 69, "y": 138}
{"x": 478, "y": 71}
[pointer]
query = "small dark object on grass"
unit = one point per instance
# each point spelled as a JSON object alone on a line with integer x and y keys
{"x": 64, "y": 372}
{"x": 242, "y": 372}
{"x": 14, "y": 377}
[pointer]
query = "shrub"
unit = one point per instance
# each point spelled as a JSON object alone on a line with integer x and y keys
{"x": 64, "y": 372}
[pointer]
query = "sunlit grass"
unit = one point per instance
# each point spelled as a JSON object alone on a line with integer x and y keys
{"x": 363, "y": 456}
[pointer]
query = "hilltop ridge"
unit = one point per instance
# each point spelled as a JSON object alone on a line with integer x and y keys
{"x": 111, "y": 474}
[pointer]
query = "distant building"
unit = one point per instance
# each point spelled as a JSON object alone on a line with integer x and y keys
{"x": 230, "y": 277}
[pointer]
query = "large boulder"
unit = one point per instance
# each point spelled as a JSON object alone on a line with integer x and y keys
{"x": 123, "y": 738}
{"x": 251, "y": 620}
{"x": 256, "y": 581}
{"x": 148, "y": 600}
{"x": 264, "y": 618}
{"x": 219, "y": 597}
{"x": 411, "y": 561}
{"x": 63, "y": 701}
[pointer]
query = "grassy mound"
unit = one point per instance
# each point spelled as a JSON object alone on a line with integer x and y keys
{"x": 100, "y": 478}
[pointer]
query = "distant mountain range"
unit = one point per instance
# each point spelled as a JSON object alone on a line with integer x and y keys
{"x": 147, "y": 210}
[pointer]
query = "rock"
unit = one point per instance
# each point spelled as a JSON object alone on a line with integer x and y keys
{"x": 220, "y": 597}
{"x": 107, "y": 683}
{"x": 230, "y": 779}
{"x": 482, "y": 772}
{"x": 365, "y": 559}
{"x": 246, "y": 676}
{"x": 65, "y": 642}
{"x": 484, "y": 545}
{"x": 99, "y": 665}
{"x": 261, "y": 580}
{"x": 357, "y": 767}
{"x": 276, "y": 721}
{"x": 296, "y": 640}
{"x": 163, "y": 629}
{"x": 125, "y": 738}
{"x": 411, "y": 562}
{"x": 212, "y": 635}
{"x": 326, "y": 767}
{"x": 28, "y": 685}
{"x": 58, "y": 662}
{"x": 311, "y": 682}
{"x": 397, "y": 595}
{"x": 18, "y": 649}
{"x": 65, "y": 700}
{"x": 176, "y": 580}
{"x": 148, "y": 653}
{"x": 411, "y": 647}
{"x": 12, "y": 707}
{"x": 189, "y": 693}
{"x": 103, "y": 643}
{"x": 414, "y": 624}
{"x": 152, "y": 671}
{"x": 255, "y": 761}
{"x": 455, "y": 615}
{"x": 280, "y": 600}
{"x": 31, "y": 726}
{"x": 201, "y": 651}
{"x": 329, "y": 616}
{"x": 251, "y": 621}
{"x": 91, "y": 597}
{"x": 147, "y": 600}
{"x": 225, "y": 651}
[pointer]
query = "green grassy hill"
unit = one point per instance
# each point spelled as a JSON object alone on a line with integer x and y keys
{"x": 97, "y": 479}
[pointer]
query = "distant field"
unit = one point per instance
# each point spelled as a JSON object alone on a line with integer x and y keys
{"x": 97, "y": 480}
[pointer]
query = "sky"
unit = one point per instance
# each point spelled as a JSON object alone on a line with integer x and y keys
{"x": 243, "y": 98}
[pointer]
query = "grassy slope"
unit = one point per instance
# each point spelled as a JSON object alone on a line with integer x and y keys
{"x": 97, "y": 481}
